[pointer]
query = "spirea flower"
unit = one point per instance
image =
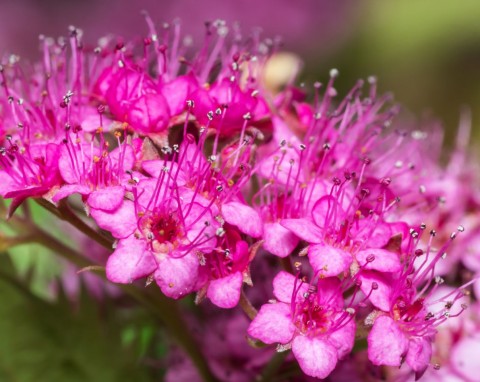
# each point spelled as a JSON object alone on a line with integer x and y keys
{"x": 199, "y": 175}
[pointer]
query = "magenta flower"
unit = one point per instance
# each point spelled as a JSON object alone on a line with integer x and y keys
{"x": 160, "y": 233}
{"x": 28, "y": 171}
{"x": 98, "y": 175}
{"x": 406, "y": 329}
{"x": 309, "y": 318}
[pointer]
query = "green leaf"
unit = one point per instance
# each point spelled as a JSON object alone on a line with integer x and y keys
{"x": 43, "y": 341}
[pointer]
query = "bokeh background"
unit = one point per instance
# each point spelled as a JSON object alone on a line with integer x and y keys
{"x": 427, "y": 52}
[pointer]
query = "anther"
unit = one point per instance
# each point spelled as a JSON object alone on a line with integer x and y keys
{"x": 334, "y": 73}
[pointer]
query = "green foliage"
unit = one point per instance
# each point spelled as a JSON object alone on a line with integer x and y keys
{"x": 44, "y": 341}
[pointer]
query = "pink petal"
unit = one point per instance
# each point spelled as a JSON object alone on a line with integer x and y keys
{"x": 70, "y": 189}
{"x": 330, "y": 292}
{"x": 419, "y": 354}
{"x": 7, "y": 184}
{"x": 387, "y": 344}
{"x": 383, "y": 260}
{"x": 156, "y": 167}
{"x": 278, "y": 240}
{"x": 149, "y": 113}
{"x": 177, "y": 91}
{"x": 177, "y": 277}
{"x": 123, "y": 158}
{"x": 225, "y": 292}
{"x": 130, "y": 261}
{"x": 304, "y": 229}
{"x": 464, "y": 357}
{"x": 196, "y": 226}
{"x": 283, "y": 285}
{"x": 273, "y": 324}
{"x": 379, "y": 297}
{"x": 106, "y": 199}
{"x": 121, "y": 223}
{"x": 66, "y": 166}
{"x": 328, "y": 260}
{"x": 327, "y": 210}
{"x": 244, "y": 217}
{"x": 343, "y": 338}
{"x": 316, "y": 357}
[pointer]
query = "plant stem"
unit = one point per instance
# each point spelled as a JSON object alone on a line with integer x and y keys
{"x": 247, "y": 306}
{"x": 159, "y": 305}
{"x": 65, "y": 213}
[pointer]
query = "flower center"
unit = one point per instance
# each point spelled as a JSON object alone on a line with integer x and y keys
{"x": 165, "y": 228}
{"x": 312, "y": 317}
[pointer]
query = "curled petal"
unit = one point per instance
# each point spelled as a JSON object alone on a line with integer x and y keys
{"x": 106, "y": 199}
{"x": 70, "y": 189}
{"x": 304, "y": 229}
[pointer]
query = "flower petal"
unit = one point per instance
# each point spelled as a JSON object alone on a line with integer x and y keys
{"x": 283, "y": 285}
{"x": 121, "y": 223}
{"x": 273, "y": 324}
{"x": 464, "y": 357}
{"x": 304, "y": 229}
{"x": 419, "y": 354}
{"x": 130, "y": 261}
{"x": 278, "y": 240}
{"x": 316, "y": 357}
{"x": 343, "y": 338}
{"x": 225, "y": 292}
{"x": 244, "y": 217}
{"x": 70, "y": 189}
{"x": 387, "y": 344}
{"x": 326, "y": 210}
{"x": 379, "y": 297}
{"x": 106, "y": 199}
{"x": 177, "y": 277}
{"x": 383, "y": 260}
{"x": 328, "y": 260}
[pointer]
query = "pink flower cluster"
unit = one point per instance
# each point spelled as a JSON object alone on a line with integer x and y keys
{"x": 201, "y": 173}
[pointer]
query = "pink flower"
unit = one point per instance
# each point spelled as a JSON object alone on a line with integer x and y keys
{"x": 309, "y": 318}
{"x": 100, "y": 176}
{"x": 406, "y": 330}
{"x": 160, "y": 233}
